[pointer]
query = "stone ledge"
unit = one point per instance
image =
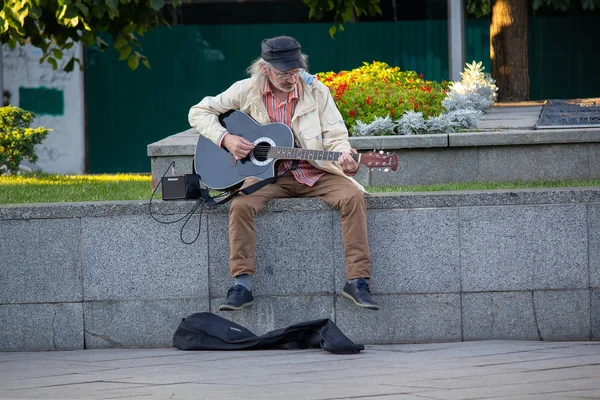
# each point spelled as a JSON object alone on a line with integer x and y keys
{"x": 524, "y": 137}
{"x": 466, "y": 198}
{"x": 494, "y": 156}
{"x": 184, "y": 143}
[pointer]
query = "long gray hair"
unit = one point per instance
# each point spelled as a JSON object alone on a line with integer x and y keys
{"x": 255, "y": 69}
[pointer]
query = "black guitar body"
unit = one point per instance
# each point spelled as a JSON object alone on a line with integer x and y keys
{"x": 219, "y": 170}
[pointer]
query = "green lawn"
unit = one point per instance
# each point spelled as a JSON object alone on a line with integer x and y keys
{"x": 50, "y": 188}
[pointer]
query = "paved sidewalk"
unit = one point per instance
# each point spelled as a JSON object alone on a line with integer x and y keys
{"x": 464, "y": 370}
{"x": 512, "y": 117}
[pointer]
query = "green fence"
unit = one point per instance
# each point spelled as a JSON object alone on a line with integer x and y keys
{"x": 128, "y": 110}
{"x": 564, "y": 57}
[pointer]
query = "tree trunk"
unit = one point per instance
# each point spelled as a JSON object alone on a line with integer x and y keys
{"x": 508, "y": 49}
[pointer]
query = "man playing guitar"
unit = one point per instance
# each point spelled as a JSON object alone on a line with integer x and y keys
{"x": 280, "y": 90}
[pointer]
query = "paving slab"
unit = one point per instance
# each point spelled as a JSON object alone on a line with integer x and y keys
{"x": 510, "y": 116}
{"x": 461, "y": 370}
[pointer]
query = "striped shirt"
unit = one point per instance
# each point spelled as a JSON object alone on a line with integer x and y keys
{"x": 282, "y": 111}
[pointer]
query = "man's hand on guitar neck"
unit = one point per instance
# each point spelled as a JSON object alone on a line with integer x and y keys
{"x": 348, "y": 164}
{"x": 237, "y": 145}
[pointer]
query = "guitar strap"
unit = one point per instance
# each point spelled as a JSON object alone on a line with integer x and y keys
{"x": 208, "y": 199}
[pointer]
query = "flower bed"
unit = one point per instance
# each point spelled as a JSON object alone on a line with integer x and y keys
{"x": 377, "y": 99}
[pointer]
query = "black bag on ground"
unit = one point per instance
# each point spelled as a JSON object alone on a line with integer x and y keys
{"x": 207, "y": 331}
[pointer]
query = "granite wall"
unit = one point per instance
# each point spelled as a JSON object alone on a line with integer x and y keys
{"x": 508, "y": 264}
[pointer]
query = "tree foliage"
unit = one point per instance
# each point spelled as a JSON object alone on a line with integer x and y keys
{"x": 56, "y": 25}
{"x": 343, "y": 10}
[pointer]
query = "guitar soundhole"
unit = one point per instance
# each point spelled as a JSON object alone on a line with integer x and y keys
{"x": 261, "y": 151}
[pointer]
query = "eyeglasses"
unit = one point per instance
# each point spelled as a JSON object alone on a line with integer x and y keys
{"x": 287, "y": 76}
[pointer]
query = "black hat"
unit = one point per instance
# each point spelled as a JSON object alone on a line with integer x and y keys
{"x": 283, "y": 52}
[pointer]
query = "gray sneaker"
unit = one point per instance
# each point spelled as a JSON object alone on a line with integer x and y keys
{"x": 358, "y": 291}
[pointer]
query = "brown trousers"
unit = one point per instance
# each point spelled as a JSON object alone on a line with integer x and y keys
{"x": 335, "y": 190}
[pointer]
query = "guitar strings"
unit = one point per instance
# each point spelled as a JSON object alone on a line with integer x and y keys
{"x": 263, "y": 151}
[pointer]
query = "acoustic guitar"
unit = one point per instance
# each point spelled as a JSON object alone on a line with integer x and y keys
{"x": 219, "y": 170}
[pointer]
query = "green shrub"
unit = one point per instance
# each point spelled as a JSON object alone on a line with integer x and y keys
{"x": 17, "y": 139}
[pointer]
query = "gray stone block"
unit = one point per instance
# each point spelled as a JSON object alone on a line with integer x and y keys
{"x": 286, "y": 262}
{"x": 509, "y": 118}
{"x": 594, "y": 243}
{"x": 594, "y": 157}
{"x": 595, "y": 313}
{"x": 158, "y": 266}
{"x": 47, "y": 211}
{"x": 430, "y": 166}
{"x": 533, "y": 162}
{"x": 180, "y": 144}
{"x": 497, "y": 197}
{"x": 412, "y": 251}
{"x": 41, "y": 327}
{"x": 274, "y": 312}
{"x": 40, "y": 261}
{"x": 136, "y": 324}
{"x": 363, "y": 176}
{"x": 402, "y": 318}
{"x": 521, "y": 136}
{"x": 499, "y": 315}
{"x": 520, "y": 248}
{"x": 563, "y": 315}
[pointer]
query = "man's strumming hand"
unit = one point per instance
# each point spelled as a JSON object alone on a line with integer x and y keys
{"x": 237, "y": 145}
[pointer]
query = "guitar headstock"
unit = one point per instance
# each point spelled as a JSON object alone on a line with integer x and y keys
{"x": 380, "y": 159}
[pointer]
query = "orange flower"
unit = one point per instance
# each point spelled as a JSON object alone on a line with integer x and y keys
{"x": 368, "y": 100}
{"x": 352, "y": 113}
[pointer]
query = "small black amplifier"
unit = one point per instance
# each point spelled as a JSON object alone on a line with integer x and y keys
{"x": 181, "y": 187}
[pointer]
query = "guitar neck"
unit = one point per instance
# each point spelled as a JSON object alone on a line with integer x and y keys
{"x": 292, "y": 153}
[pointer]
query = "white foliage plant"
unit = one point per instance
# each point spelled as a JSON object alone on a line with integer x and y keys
{"x": 465, "y": 103}
{"x": 381, "y": 126}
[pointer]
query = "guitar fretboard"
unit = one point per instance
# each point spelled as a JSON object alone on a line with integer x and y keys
{"x": 291, "y": 153}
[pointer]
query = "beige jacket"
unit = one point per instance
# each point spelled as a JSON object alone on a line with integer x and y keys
{"x": 316, "y": 124}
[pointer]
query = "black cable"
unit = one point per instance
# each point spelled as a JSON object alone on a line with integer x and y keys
{"x": 188, "y": 215}
{"x": 198, "y": 203}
